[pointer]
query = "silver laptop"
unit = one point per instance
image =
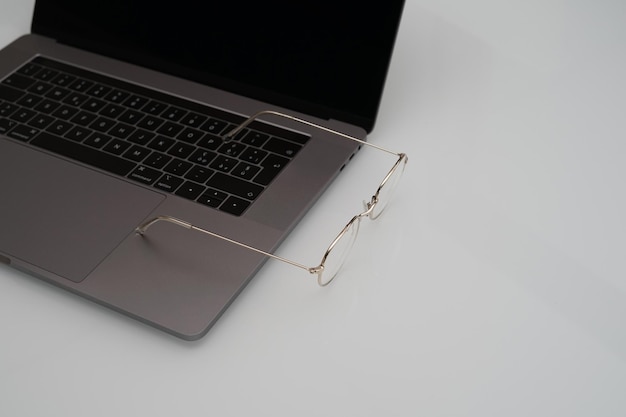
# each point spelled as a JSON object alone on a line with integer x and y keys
{"x": 114, "y": 112}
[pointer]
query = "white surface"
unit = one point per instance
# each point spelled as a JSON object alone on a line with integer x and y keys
{"x": 499, "y": 287}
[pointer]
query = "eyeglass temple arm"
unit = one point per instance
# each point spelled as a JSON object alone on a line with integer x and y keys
{"x": 142, "y": 228}
{"x": 230, "y": 135}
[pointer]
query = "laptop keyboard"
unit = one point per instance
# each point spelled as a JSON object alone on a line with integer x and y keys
{"x": 149, "y": 137}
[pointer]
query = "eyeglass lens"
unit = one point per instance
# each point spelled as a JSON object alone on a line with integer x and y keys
{"x": 338, "y": 252}
{"x": 340, "y": 248}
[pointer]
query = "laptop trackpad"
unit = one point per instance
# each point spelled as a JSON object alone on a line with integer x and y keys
{"x": 61, "y": 217}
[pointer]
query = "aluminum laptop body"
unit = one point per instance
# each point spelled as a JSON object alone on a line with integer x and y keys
{"x": 73, "y": 224}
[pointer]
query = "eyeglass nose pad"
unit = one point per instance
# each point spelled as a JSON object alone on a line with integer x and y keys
{"x": 367, "y": 205}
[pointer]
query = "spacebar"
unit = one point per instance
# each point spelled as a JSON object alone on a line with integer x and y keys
{"x": 83, "y": 154}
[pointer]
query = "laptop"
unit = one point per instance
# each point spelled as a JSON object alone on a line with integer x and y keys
{"x": 113, "y": 112}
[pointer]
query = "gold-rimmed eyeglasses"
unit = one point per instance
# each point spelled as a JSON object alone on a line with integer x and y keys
{"x": 338, "y": 250}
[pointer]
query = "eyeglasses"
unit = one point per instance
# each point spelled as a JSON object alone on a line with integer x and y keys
{"x": 338, "y": 251}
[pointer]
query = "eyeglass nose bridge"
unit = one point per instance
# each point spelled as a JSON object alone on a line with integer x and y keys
{"x": 368, "y": 206}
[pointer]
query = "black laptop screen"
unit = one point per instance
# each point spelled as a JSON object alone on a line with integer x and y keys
{"x": 329, "y": 58}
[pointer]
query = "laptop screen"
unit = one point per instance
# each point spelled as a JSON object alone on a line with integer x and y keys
{"x": 327, "y": 58}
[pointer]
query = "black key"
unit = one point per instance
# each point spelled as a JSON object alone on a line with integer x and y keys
{"x": 141, "y": 137}
{"x": 135, "y": 102}
{"x": 235, "y": 186}
{"x": 193, "y": 120}
{"x": 190, "y": 135}
{"x": 282, "y": 147}
{"x": 81, "y": 85}
{"x": 83, "y": 154}
{"x": 168, "y": 183}
{"x": 199, "y": 174}
{"x": 170, "y": 129}
{"x": 223, "y": 163}
{"x": 245, "y": 171}
{"x": 9, "y": 93}
{"x": 161, "y": 143}
{"x": 190, "y": 190}
{"x": 137, "y": 153}
{"x": 65, "y": 112}
{"x": 29, "y": 100}
{"x": 57, "y": 93}
{"x": 177, "y": 167}
{"x": 254, "y": 138}
{"x": 6, "y": 125}
{"x": 47, "y": 106}
{"x": 154, "y": 107}
{"x": 150, "y": 122}
{"x": 232, "y": 148}
{"x": 22, "y": 132}
{"x": 84, "y": 118}
{"x": 59, "y": 127}
{"x": 252, "y": 155}
{"x": 182, "y": 150}
{"x": 102, "y": 124}
{"x": 272, "y": 165}
{"x": 216, "y": 194}
{"x": 40, "y": 88}
{"x": 112, "y": 111}
{"x": 281, "y": 133}
{"x": 97, "y": 140}
{"x": 99, "y": 91}
{"x": 202, "y": 157}
{"x": 214, "y": 126}
{"x": 23, "y": 115}
{"x": 18, "y": 81}
{"x": 75, "y": 99}
{"x": 63, "y": 80}
{"x": 78, "y": 133}
{"x": 29, "y": 69}
{"x": 144, "y": 175}
{"x": 130, "y": 116}
{"x": 212, "y": 198}
{"x": 41, "y": 121}
{"x": 117, "y": 96}
{"x": 46, "y": 74}
{"x": 7, "y": 108}
{"x": 93, "y": 105}
{"x": 121, "y": 130}
{"x": 207, "y": 200}
{"x": 117, "y": 146}
{"x": 157, "y": 160}
{"x": 235, "y": 206}
{"x": 210, "y": 142}
{"x": 173, "y": 113}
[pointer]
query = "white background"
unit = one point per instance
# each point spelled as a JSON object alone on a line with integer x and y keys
{"x": 494, "y": 286}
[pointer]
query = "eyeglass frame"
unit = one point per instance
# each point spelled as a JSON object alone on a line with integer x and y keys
{"x": 314, "y": 270}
